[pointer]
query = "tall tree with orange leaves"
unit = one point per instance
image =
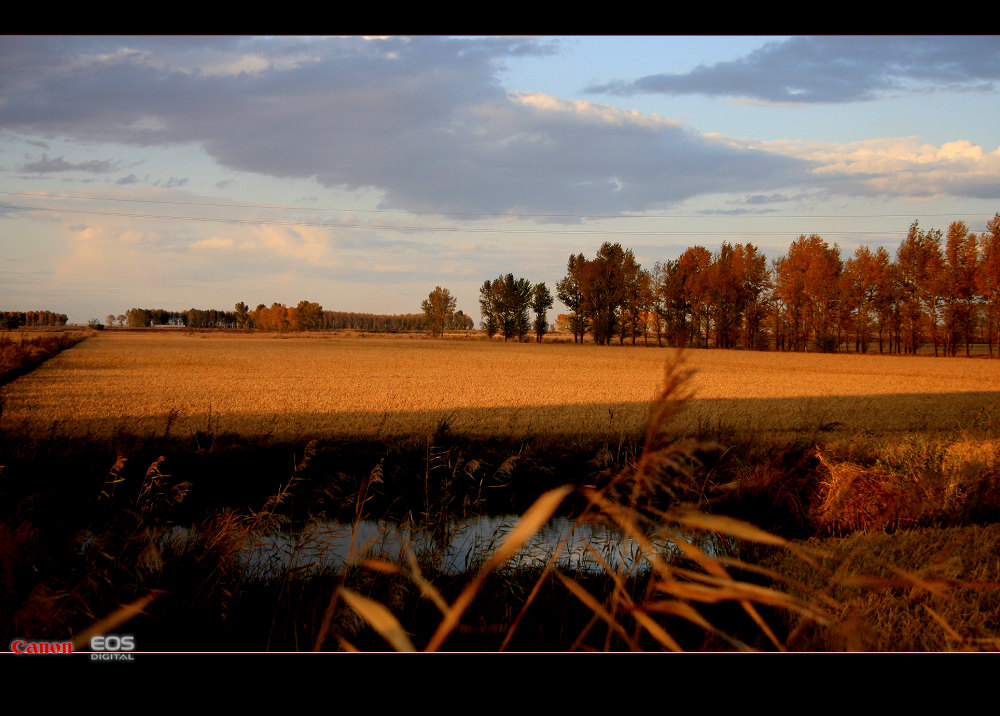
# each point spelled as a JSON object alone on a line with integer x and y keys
{"x": 809, "y": 287}
{"x": 865, "y": 284}
{"x": 693, "y": 266}
{"x": 959, "y": 278}
{"x": 920, "y": 263}
{"x": 988, "y": 279}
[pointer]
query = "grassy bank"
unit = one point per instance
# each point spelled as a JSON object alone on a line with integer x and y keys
{"x": 774, "y": 549}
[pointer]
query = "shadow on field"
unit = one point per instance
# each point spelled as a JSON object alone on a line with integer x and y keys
{"x": 162, "y": 511}
{"x": 847, "y": 414}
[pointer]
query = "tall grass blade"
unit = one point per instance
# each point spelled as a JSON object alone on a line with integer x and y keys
{"x": 531, "y": 521}
{"x": 730, "y": 526}
{"x": 380, "y": 619}
{"x": 592, "y": 604}
{"x": 952, "y": 634}
{"x": 115, "y": 619}
{"x": 426, "y": 588}
{"x": 655, "y": 630}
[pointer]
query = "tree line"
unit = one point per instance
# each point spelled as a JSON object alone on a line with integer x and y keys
{"x": 939, "y": 288}
{"x": 306, "y": 316}
{"x": 15, "y": 319}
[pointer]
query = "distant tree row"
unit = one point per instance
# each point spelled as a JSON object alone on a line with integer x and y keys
{"x": 940, "y": 288}
{"x": 392, "y": 323}
{"x": 192, "y": 318}
{"x": 15, "y": 319}
{"x": 306, "y": 316}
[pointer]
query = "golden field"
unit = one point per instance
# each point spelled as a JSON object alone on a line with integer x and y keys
{"x": 325, "y": 385}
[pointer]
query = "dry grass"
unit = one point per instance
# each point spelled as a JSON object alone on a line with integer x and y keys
{"x": 325, "y": 385}
{"x": 22, "y": 351}
{"x": 914, "y": 590}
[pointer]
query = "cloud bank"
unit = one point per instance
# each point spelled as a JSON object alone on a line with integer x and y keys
{"x": 422, "y": 121}
{"x": 425, "y": 125}
{"x": 834, "y": 70}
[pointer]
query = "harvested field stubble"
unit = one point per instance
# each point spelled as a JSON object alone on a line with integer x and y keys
{"x": 267, "y": 385}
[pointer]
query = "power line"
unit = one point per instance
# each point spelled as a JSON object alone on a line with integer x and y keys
{"x": 507, "y": 215}
{"x": 428, "y": 229}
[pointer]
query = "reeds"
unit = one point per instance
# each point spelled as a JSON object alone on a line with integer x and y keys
{"x": 652, "y": 500}
{"x": 20, "y": 356}
{"x": 694, "y": 596}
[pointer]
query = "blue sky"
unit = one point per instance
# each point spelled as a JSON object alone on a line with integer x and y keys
{"x": 362, "y": 172}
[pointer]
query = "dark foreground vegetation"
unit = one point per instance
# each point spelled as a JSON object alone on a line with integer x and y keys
{"x": 771, "y": 547}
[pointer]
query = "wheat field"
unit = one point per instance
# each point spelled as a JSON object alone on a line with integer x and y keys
{"x": 156, "y": 383}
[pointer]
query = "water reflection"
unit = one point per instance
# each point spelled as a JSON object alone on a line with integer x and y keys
{"x": 452, "y": 548}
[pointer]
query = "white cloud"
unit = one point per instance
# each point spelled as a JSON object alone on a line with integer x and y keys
{"x": 599, "y": 113}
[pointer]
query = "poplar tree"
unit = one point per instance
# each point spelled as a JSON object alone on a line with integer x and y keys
{"x": 438, "y": 307}
{"x": 541, "y": 302}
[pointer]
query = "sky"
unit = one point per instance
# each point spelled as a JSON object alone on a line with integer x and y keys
{"x": 362, "y": 172}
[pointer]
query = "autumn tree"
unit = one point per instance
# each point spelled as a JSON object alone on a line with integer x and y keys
{"x": 755, "y": 280}
{"x": 275, "y": 318}
{"x": 670, "y": 301}
{"x": 890, "y": 309}
{"x": 242, "y": 315}
{"x": 541, "y": 302}
{"x": 489, "y": 308}
{"x": 461, "y": 322}
{"x": 504, "y": 303}
{"x": 606, "y": 284}
{"x": 959, "y": 286}
{"x": 138, "y": 318}
{"x": 865, "y": 287}
{"x": 635, "y": 298}
{"x": 920, "y": 261}
{"x": 808, "y": 286}
{"x": 259, "y": 317}
{"x": 438, "y": 308}
{"x": 570, "y": 293}
{"x": 727, "y": 294}
{"x": 659, "y": 308}
{"x": 307, "y": 316}
{"x": 988, "y": 279}
{"x": 693, "y": 266}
